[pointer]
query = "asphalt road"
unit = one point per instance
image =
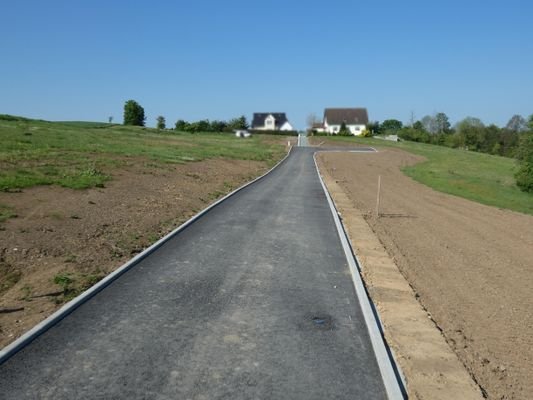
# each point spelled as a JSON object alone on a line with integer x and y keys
{"x": 252, "y": 301}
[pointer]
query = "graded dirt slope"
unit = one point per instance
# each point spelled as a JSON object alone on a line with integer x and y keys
{"x": 471, "y": 265}
{"x": 64, "y": 240}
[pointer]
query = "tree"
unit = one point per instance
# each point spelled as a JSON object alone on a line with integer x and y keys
{"x": 391, "y": 126}
{"x": 442, "y": 123}
{"x": 436, "y": 124}
{"x": 202, "y": 125}
{"x": 312, "y": 120}
{"x": 524, "y": 175}
{"x": 470, "y": 133}
{"x": 110, "y": 119}
{"x": 133, "y": 113}
{"x": 344, "y": 131}
{"x": 238, "y": 123}
{"x": 419, "y": 126}
{"x": 428, "y": 122}
{"x": 374, "y": 128}
{"x": 181, "y": 125}
{"x": 416, "y": 132}
{"x": 161, "y": 123}
{"x": 530, "y": 122}
{"x": 509, "y": 142}
{"x": 218, "y": 126}
{"x": 517, "y": 123}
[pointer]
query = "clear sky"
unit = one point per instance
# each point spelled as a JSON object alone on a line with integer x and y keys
{"x": 81, "y": 60}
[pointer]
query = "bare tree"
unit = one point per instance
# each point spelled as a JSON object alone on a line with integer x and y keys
{"x": 517, "y": 123}
{"x": 312, "y": 120}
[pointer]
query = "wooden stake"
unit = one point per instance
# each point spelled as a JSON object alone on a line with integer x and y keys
{"x": 379, "y": 195}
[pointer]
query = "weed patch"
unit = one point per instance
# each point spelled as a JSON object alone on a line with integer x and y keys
{"x": 73, "y": 284}
{"x": 6, "y": 212}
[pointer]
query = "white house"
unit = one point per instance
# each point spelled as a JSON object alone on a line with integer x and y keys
{"x": 355, "y": 119}
{"x": 271, "y": 122}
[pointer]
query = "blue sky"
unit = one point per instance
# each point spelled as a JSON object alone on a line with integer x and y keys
{"x": 81, "y": 60}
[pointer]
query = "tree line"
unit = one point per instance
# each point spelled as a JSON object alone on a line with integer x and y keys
{"x": 514, "y": 140}
{"x": 134, "y": 115}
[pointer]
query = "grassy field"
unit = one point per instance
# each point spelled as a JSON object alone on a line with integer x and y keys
{"x": 77, "y": 154}
{"x": 475, "y": 176}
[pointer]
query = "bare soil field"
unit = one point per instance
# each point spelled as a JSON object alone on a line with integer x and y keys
{"x": 63, "y": 240}
{"x": 470, "y": 265}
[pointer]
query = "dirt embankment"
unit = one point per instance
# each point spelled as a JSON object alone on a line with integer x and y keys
{"x": 64, "y": 240}
{"x": 470, "y": 265}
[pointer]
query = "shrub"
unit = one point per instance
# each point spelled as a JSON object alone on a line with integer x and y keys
{"x": 344, "y": 131}
{"x": 524, "y": 175}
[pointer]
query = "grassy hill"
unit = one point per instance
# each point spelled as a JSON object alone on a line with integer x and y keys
{"x": 480, "y": 177}
{"x": 80, "y": 154}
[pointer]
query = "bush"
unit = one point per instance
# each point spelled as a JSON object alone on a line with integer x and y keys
{"x": 524, "y": 178}
{"x": 414, "y": 135}
{"x": 366, "y": 133}
{"x": 524, "y": 175}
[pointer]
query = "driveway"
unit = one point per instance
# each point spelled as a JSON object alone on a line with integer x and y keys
{"x": 253, "y": 300}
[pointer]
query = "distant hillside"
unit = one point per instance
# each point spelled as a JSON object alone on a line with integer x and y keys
{"x": 81, "y": 124}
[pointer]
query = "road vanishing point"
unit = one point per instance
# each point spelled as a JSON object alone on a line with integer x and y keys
{"x": 253, "y": 300}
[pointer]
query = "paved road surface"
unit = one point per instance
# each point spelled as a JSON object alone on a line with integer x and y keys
{"x": 254, "y": 300}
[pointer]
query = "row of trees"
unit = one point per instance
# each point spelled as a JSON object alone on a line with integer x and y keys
{"x": 134, "y": 115}
{"x": 470, "y": 133}
{"x": 212, "y": 126}
{"x": 513, "y": 140}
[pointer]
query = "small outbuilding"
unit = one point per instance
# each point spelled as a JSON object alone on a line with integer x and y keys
{"x": 242, "y": 133}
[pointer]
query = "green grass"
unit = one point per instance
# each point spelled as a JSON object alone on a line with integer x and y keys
{"x": 73, "y": 284}
{"x": 475, "y": 176}
{"x": 77, "y": 154}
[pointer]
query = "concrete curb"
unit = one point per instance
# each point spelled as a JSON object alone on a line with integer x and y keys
{"x": 68, "y": 308}
{"x": 389, "y": 370}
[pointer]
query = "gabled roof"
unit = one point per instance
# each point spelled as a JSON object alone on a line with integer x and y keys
{"x": 350, "y": 116}
{"x": 259, "y": 119}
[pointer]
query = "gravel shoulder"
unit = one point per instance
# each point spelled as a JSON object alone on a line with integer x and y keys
{"x": 468, "y": 264}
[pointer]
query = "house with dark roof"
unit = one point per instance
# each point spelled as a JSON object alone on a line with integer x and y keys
{"x": 271, "y": 122}
{"x": 355, "y": 119}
